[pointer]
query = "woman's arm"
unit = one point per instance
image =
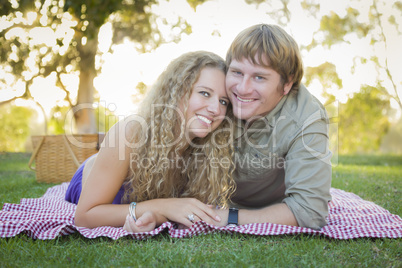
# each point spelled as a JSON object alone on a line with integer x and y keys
{"x": 105, "y": 178}
{"x": 103, "y": 181}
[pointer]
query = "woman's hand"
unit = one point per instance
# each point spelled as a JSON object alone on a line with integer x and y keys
{"x": 145, "y": 223}
{"x": 154, "y": 212}
{"x": 223, "y": 214}
{"x": 180, "y": 210}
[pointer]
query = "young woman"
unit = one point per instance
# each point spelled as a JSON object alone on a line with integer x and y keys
{"x": 172, "y": 161}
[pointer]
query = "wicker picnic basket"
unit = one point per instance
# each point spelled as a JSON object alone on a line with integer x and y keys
{"x": 57, "y": 157}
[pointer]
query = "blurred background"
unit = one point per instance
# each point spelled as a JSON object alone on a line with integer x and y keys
{"x": 69, "y": 66}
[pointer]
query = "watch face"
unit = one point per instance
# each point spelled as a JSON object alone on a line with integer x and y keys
{"x": 233, "y": 217}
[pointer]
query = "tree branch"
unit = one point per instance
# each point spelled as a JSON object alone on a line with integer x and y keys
{"x": 63, "y": 87}
{"x": 44, "y": 114}
{"x": 378, "y": 17}
{"x": 11, "y": 100}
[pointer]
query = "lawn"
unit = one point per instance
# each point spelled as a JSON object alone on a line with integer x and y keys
{"x": 374, "y": 178}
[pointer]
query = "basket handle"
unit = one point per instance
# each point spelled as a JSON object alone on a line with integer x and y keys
{"x": 71, "y": 151}
{"x": 35, "y": 152}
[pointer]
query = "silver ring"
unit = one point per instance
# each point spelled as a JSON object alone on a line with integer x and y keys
{"x": 190, "y": 217}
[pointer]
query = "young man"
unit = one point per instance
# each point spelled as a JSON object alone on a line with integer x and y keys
{"x": 283, "y": 169}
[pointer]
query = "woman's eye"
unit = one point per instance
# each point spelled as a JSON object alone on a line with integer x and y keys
{"x": 204, "y": 93}
{"x": 259, "y": 78}
{"x": 223, "y": 102}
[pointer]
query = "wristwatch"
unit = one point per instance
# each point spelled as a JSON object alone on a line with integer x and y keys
{"x": 233, "y": 218}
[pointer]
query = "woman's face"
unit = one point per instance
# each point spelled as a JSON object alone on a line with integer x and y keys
{"x": 207, "y": 104}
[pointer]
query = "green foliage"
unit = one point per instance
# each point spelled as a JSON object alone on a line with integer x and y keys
{"x": 326, "y": 74}
{"x": 58, "y": 120}
{"x": 39, "y": 38}
{"x": 77, "y": 19}
{"x": 105, "y": 119}
{"x": 363, "y": 121}
{"x": 281, "y": 14}
{"x": 311, "y": 6}
{"x": 391, "y": 143}
{"x": 336, "y": 30}
{"x": 14, "y": 127}
{"x": 195, "y": 3}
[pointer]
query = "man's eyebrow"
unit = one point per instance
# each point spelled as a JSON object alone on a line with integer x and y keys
{"x": 234, "y": 67}
{"x": 262, "y": 74}
{"x": 258, "y": 73}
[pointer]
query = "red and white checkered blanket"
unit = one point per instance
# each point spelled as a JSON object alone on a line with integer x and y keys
{"x": 50, "y": 216}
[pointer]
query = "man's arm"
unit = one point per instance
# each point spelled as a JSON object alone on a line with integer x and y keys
{"x": 278, "y": 214}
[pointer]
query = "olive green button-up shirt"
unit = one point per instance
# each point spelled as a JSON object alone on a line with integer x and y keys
{"x": 285, "y": 157}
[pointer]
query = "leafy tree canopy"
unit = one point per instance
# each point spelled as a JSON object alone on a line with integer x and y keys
{"x": 44, "y": 37}
{"x": 14, "y": 127}
{"x": 379, "y": 27}
{"x": 363, "y": 121}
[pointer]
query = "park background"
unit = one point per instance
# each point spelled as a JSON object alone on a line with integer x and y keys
{"x": 58, "y": 55}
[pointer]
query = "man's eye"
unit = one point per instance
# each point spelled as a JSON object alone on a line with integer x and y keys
{"x": 236, "y": 73}
{"x": 259, "y": 78}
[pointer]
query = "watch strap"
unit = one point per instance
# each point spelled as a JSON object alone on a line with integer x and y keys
{"x": 233, "y": 216}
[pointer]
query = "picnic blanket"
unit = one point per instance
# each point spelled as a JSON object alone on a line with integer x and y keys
{"x": 50, "y": 216}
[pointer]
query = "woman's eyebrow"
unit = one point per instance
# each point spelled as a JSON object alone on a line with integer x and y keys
{"x": 205, "y": 87}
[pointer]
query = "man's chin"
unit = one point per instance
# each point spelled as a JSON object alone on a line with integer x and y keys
{"x": 241, "y": 116}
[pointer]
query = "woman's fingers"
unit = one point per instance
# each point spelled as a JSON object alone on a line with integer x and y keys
{"x": 188, "y": 221}
{"x": 129, "y": 224}
{"x": 206, "y": 213}
{"x": 145, "y": 223}
{"x": 179, "y": 210}
{"x": 196, "y": 211}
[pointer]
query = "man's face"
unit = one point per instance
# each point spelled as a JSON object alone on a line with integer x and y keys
{"x": 254, "y": 90}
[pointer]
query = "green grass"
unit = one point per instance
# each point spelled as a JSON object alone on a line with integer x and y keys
{"x": 374, "y": 178}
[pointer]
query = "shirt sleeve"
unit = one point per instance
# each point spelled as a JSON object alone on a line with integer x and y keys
{"x": 308, "y": 175}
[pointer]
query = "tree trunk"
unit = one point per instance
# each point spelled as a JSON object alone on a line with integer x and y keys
{"x": 84, "y": 112}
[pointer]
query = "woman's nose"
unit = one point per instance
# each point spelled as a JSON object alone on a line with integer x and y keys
{"x": 213, "y": 107}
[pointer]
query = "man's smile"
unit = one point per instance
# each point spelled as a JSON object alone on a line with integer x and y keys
{"x": 244, "y": 100}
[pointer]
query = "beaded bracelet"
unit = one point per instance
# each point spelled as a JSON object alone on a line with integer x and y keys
{"x": 132, "y": 210}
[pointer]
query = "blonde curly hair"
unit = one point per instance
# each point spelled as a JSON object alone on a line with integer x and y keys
{"x": 202, "y": 170}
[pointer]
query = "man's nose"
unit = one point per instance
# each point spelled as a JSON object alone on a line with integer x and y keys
{"x": 244, "y": 86}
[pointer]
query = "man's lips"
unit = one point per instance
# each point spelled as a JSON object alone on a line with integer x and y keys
{"x": 243, "y": 100}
